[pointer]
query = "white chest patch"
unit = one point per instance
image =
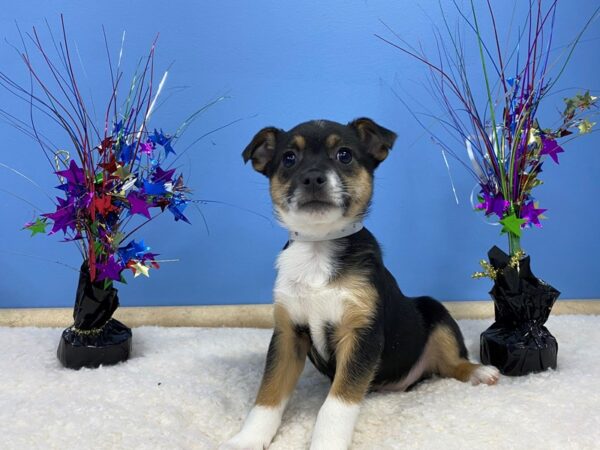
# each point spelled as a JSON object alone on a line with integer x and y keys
{"x": 303, "y": 288}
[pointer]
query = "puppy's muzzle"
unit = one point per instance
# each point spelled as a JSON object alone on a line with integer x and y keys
{"x": 314, "y": 179}
{"x": 314, "y": 191}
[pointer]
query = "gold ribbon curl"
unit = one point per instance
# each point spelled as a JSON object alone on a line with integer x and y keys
{"x": 491, "y": 272}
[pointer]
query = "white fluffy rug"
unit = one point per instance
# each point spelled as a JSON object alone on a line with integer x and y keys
{"x": 187, "y": 388}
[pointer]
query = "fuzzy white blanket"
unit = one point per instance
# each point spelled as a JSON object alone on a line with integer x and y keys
{"x": 190, "y": 388}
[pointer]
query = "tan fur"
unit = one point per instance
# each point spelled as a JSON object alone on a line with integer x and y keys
{"x": 358, "y": 315}
{"x": 360, "y": 189}
{"x": 362, "y": 299}
{"x": 463, "y": 370}
{"x": 379, "y": 149}
{"x": 263, "y": 153}
{"x": 380, "y": 152}
{"x": 278, "y": 191}
{"x": 299, "y": 142}
{"x": 332, "y": 140}
{"x": 281, "y": 375}
{"x": 444, "y": 358}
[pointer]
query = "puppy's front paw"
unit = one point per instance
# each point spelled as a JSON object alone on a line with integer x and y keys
{"x": 486, "y": 375}
{"x": 242, "y": 441}
{"x": 335, "y": 425}
{"x": 259, "y": 429}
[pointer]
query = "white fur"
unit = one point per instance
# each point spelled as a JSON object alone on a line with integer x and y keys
{"x": 485, "y": 374}
{"x": 302, "y": 287}
{"x": 304, "y": 272}
{"x": 336, "y": 190}
{"x": 335, "y": 425}
{"x": 317, "y": 223}
{"x": 258, "y": 430}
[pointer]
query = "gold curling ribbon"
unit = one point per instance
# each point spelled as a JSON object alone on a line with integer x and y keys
{"x": 514, "y": 259}
{"x": 92, "y": 332}
{"x": 491, "y": 272}
{"x": 488, "y": 271}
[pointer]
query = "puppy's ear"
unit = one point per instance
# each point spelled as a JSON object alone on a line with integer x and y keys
{"x": 262, "y": 148}
{"x": 378, "y": 140}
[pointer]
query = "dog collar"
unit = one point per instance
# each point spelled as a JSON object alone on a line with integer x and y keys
{"x": 337, "y": 234}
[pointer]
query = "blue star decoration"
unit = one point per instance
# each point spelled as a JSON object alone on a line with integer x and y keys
{"x": 133, "y": 250}
{"x": 177, "y": 207}
{"x": 163, "y": 140}
{"x": 154, "y": 188}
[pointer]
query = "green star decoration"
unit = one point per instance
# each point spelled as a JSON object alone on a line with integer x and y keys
{"x": 512, "y": 224}
{"x": 39, "y": 226}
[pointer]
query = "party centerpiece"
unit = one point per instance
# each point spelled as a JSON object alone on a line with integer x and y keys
{"x": 505, "y": 147}
{"x": 112, "y": 181}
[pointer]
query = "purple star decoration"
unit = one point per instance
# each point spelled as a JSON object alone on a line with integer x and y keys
{"x": 73, "y": 175}
{"x": 493, "y": 204}
{"x": 64, "y": 217}
{"x": 531, "y": 214}
{"x": 551, "y": 147}
{"x": 110, "y": 270}
{"x": 139, "y": 205}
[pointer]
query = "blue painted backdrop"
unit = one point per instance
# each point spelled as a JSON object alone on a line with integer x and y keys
{"x": 283, "y": 62}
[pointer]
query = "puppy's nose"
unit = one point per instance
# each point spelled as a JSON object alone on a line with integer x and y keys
{"x": 314, "y": 178}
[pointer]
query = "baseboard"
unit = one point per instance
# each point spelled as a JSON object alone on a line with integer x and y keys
{"x": 244, "y": 316}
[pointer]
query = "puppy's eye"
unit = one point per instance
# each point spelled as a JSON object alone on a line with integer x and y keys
{"x": 344, "y": 155}
{"x": 289, "y": 159}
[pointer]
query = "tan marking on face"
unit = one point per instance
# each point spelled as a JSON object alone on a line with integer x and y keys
{"x": 332, "y": 141}
{"x": 299, "y": 142}
{"x": 279, "y": 190}
{"x": 288, "y": 355}
{"x": 357, "y": 316}
{"x": 360, "y": 189}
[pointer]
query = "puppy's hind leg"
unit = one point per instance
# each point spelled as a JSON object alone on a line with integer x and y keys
{"x": 285, "y": 361}
{"x": 449, "y": 357}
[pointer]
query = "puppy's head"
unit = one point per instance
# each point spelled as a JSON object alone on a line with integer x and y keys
{"x": 320, "y": 172}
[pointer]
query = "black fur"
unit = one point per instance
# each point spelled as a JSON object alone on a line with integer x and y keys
{"x": 401, "y": 325}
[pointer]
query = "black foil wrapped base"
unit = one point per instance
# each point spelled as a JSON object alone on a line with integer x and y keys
{"x": 95, "y": 338}
{"x": 518, "y": 352}
{"x": 111, "y": 345}
{"x": 518, "y": 343}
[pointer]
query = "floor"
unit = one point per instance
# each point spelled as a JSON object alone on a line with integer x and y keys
{"x": 190, "y": 388}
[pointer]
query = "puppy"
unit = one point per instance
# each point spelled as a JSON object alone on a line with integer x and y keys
{"x": 335, "y": 301}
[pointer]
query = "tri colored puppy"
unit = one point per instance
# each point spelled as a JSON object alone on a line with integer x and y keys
{"x": 335, "y": 301}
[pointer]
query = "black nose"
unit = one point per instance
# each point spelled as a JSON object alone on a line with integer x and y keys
{"x": 313, "y": 178}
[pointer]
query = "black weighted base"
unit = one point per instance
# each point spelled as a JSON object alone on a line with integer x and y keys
{"x": 518, "y": 343}
{"x": 518, "y": 352}
{"x": 110, "y": 345}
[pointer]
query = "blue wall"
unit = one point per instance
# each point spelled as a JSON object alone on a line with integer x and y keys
{"x": 284, "y": 62}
